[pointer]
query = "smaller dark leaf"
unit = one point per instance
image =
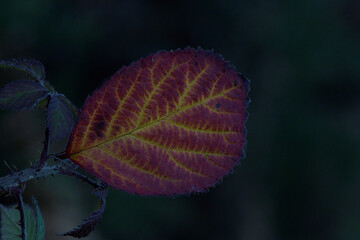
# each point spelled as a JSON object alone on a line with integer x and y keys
{"x": 91, "y": 222}
{"x": 30, "y": 66}
{"x": 21, "y": 94}
{"x": 60, "y": 118}
{"x": 70, "y": 104}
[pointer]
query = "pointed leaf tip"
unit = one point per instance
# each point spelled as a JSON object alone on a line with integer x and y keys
{"x": 30, "y": 66}
{"x": 89, "y": 224}
{"x": 170, "y": 123}
{"x": 21, "y": 94}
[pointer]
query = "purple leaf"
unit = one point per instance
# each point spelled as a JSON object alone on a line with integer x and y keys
{"x": 30, "y": 66}
{"x": 91, "y": 222}
{"x": 21, "y": 94}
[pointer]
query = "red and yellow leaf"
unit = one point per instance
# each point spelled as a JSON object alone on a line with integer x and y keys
{"x": 170, "y": 123}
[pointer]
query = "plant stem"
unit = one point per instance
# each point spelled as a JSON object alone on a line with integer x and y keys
{"x": 65, "y": 167}
{"x": 14, "y": 179}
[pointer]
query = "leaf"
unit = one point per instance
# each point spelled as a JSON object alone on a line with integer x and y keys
{"x": 171, "y": 123}
{"x": 10, "y": 228}
{"x": 36, "y": 223}
{"x": 60, "y": 119}
{"x": 91, "y": 222}
{"x": 70, "y": 105}
{"x": 21, "y": 94}
{"x": 30, "y": 66}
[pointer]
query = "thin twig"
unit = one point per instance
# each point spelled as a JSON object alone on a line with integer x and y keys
{"x": 13, "y": 180}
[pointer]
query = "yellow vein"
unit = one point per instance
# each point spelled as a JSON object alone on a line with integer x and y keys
{"x": 152, "y": 72}
{"x": 92, "y": 119}
{"x": 211, "y": 109}
{"x": 189, "y": 87}
{"x": 154, "y": 91}
{"x": 218, "y": 112}
{"x": 133, "y": 166}
{"x": 207, "y": 158}
{"x": 122, "y": 103}
{"x": 117, "y": 174}
{"x": 213, "y": 87}
{"x": 184, "y": 167}
{"x": 178, "y": 150}
{"x": 158, "y": 120}
{"x": 233, "y": 99}
{"x": 197, "y": 130}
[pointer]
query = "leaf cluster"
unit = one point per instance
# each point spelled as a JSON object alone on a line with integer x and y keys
{"x": 23, "y": 221}
{"x": 36, "y": 92}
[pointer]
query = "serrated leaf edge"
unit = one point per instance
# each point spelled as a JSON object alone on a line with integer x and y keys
{"x": 101, "y": 193}
{"x": 12, "y": 64}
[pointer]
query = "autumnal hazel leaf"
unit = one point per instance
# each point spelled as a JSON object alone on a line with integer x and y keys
{"x": 60, "y": 118}
{"x": 170, "y": 123}
{"x": 30, "y": 66}
{"x": 21, "y": 94}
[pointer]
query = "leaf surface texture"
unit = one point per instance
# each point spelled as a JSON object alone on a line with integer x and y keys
{"x": 170, "y": 123}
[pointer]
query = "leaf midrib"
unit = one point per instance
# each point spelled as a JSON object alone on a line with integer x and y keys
{"x": 154, "y": 122}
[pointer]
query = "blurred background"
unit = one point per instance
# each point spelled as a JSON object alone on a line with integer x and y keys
{"x": 301, "y": 175}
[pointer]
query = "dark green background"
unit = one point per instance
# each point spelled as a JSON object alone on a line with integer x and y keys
{"x": 301, "y": 176}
